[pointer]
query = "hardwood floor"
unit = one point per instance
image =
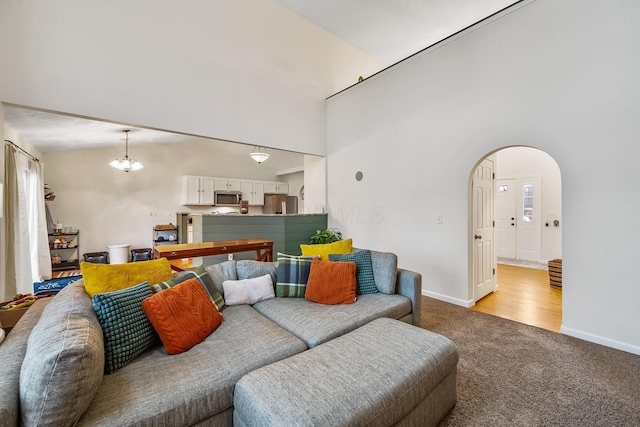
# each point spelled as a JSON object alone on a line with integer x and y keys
{"x": 524, "y": 295}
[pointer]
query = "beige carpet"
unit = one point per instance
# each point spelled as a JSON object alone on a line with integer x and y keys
{"x": 511, "y": 374}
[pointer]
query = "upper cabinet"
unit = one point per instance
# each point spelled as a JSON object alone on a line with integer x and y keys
{"x": 228, "y": 184}
{"x": 197, "y": 190}
{"x": 253, "y": 191}
{"x": 274, "y": 187}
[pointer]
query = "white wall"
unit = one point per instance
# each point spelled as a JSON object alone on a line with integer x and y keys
{"x": 558, "y": 76}
{"x": 524, "y": 162}
{"x": 315, "y": 176}
{"x": 113, "y": 207}
{"x": 245, "y": 70}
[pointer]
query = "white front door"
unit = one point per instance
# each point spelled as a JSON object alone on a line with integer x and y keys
{"x": 506, "y": 226}
{"x": 484, "y": 260}
{"x": 518, "y": 218}
{"x": 528, "y": 220}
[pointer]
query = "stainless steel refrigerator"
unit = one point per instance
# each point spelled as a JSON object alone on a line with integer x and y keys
{"x": 280, "y": 204}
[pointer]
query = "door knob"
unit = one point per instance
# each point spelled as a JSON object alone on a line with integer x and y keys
{"x": 477, "y": 236}
{"x": 512, "y": 224}
{"x": 513, "y": 219}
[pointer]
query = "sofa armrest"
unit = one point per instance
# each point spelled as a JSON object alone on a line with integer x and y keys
{"x": 409, "y": 284}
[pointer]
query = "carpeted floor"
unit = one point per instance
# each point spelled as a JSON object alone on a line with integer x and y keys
{"x": 511, "y": 374}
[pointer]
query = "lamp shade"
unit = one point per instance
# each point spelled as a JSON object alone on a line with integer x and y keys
{"x": 259, "y": 154}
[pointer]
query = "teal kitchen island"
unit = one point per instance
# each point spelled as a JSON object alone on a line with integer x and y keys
{"x": 286, "y": 231}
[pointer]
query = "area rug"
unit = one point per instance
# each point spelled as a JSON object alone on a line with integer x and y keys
{"x": 511, "y": 374}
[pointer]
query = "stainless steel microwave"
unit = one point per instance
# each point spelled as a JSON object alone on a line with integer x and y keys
{"x": 227, "y": 198}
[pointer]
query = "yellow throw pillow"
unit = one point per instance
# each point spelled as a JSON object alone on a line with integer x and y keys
{"x": 340, "y": 247}
{"x": 101, "y": 278}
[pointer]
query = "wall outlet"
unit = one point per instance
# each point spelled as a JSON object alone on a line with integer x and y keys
{"x": 230, "y": 257}
{"x": 439, "y": 220}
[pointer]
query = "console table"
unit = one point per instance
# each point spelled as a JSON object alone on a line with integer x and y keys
{"x": 175, "y": 253}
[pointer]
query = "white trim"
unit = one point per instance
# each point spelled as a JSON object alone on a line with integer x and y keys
{"x": 600, "y": 340}
{"x": 447, "y": 298}
{"x": 290, "y": 170}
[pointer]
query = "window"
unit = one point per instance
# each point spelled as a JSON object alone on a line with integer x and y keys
{"x": 527, "y": 203}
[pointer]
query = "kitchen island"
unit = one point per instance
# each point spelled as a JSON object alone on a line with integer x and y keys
{"x": 286, "y": 231}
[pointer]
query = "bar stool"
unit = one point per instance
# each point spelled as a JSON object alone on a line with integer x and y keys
{"x": 144, "y": 254}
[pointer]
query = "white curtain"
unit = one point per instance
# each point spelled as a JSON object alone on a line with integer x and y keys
{"x": 27, "y": 250}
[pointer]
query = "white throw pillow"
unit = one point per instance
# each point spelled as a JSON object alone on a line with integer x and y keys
{"x": 248, "y": 291}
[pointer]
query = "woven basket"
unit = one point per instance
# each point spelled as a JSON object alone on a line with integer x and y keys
{"x": 555, "y": 273}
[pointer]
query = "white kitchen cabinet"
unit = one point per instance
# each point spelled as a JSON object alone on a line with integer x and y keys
{"x": 253, "y": 191}
{"x": 228, "y": 184}
{"x": 197, "y": 190}
{"x": 275, "y": 187}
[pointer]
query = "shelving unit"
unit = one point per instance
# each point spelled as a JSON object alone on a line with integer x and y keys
{"x": 164, "y": 235}
{"x": 64, "y": 247}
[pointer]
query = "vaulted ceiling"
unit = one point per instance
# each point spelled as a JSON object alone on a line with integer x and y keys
{"x": 386, "y": 30}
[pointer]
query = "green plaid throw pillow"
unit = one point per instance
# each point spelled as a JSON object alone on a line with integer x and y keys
{"x": 364, "y": 270}
{"x": 201, "y": 274}
{"x": 292, "y": 274}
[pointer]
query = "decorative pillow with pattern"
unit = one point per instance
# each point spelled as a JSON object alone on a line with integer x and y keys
{"x": 126, "y": 329}
{"x": 292, "y": 274}
{"x": 183, "y": 315}
{"x": 364, "y": 270}
{"x": 203, "y": 276}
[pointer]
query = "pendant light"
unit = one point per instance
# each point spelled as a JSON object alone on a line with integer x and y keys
{"x": 126, "y": 164}
{"x": 259, "y": 154}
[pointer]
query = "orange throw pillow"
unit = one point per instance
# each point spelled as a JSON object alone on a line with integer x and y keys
{"x": 332, "y": 282}
{"x": 183, "y": 315}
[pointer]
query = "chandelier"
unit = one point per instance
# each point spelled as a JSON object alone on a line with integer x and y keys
{"x": 126, "y": 164}
{"x": 259, "y": 154}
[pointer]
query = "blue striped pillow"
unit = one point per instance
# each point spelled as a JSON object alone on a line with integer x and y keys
{"x": 292, "y": 274}
{"x": 364, "y": 270}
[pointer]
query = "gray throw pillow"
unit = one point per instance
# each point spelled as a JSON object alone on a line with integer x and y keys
{"x": 64, "y": 362}
{"x": 222, "y": 271}
{"x": 385, "y": 271}
{"x": 249, "y": 269}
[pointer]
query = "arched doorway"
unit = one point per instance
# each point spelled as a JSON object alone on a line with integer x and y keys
{"x": 516, "y": 226}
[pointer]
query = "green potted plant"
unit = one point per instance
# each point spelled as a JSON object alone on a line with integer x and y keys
{"x": 326, "y": 236}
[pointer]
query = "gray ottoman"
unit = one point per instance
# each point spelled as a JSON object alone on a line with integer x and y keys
{"x": 385, "y": 373}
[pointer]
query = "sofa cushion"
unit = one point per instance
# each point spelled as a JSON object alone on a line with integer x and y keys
{"x": 249, "y": 269}
{"x": 323, "y": 250}
{"x": 364, "y": 270}
{"x": 315, "y": 323}
{"x": 127, "y": 331}
{"x": 101, "y": 278}
{"x": 222, "y": 271}
{"x": 183, "y": 315}
{"x": 64, "y": 362}
{"x": 207, "y": 374}
{"x": 331, "y": 282}
{"x": 292, "y": 275}
{"x": 248, "y": 291}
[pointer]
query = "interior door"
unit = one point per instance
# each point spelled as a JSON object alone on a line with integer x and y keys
{"x": 484, "y": 260}
{"x": 506, "y": 213}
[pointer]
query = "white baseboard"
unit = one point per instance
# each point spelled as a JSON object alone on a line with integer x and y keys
{"x": 600, "y": 340}
{"x": 447, "y": 298}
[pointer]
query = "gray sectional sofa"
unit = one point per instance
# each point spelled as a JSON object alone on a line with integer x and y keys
{"x": 192, "y": 388}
